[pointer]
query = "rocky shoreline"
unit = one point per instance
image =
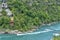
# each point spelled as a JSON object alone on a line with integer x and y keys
{"x": 17, "y": 31}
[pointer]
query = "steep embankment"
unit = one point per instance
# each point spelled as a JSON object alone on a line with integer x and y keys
{"x": 31, "y": 13}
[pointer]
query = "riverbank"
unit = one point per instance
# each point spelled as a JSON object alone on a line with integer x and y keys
{"x": 49, "y": 23}
{"x": 56, "y": 38}
{"x": 8, "y": 31}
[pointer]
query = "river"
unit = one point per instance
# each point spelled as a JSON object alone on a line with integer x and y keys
{"x": 45, "y": 32}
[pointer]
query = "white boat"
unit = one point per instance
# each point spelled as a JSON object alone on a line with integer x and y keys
{"x": 33, "y": 33}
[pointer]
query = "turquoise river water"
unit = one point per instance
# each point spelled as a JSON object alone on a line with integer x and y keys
{"x": 45, "y": 32}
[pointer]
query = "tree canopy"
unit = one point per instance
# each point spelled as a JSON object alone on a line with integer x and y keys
{"x": 29, "y": 13}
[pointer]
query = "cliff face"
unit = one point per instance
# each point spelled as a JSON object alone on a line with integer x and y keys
{"x": 29, "y": 13}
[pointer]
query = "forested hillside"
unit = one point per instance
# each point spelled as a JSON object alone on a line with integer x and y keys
{"x": 31, "y": 13}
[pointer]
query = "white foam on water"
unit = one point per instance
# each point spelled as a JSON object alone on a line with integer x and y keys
{"x": 47, "y": 30}
{"x": 56, "y": 34}
{"x": 49, "y": 24}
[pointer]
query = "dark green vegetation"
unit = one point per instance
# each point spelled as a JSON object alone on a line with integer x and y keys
{"x": 56, "y": 38}
{"x": 31, "y": 13}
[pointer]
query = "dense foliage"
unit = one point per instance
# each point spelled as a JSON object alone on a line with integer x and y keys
{"x": 30, "y": 13}
{"x": 56, "y": 38}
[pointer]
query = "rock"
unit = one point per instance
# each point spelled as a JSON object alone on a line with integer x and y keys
{"x": 19, "y": 32}
{"x": 6, "y": 33}
{"x": 29, "y": 31}
{"x": 0, "y": 14}
{"x": 2, "y": 32}
{"x": 33, "y": 29}
{"x": 14, "y": 32}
